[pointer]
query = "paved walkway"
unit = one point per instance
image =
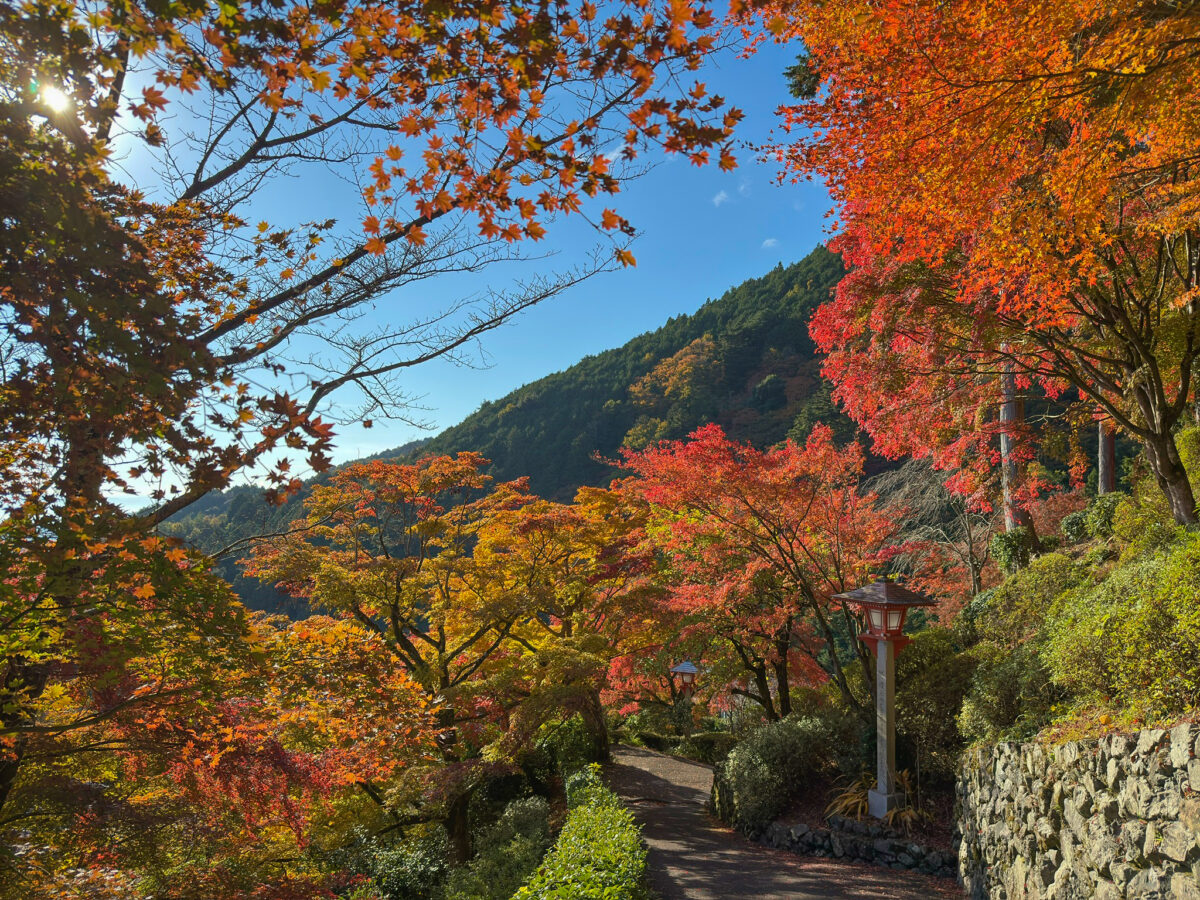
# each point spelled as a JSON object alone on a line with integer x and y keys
{"x": 694, "y": 857}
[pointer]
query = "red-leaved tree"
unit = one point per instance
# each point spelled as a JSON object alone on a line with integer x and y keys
{"x": 757, "y": 541}
{"x": 1017, "y": 195}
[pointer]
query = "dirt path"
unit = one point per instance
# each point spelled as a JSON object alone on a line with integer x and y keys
{"x": 694, "y": 857}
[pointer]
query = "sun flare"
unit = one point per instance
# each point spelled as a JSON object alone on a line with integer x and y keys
{"x": 56, "y": 99}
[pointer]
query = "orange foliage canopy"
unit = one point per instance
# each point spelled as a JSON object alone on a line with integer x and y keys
{"x": 1017, "y": 193}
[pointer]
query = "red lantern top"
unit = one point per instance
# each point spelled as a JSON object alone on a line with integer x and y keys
{"x": 886, "y": 604}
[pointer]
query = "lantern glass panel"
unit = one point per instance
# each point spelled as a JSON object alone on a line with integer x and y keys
{"x": 895, "y": 618}
{"x": 875, "y": 616}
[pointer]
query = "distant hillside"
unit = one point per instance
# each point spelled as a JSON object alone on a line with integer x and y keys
{"x": 756, "y": 374}
{"x": 744, "y": 361}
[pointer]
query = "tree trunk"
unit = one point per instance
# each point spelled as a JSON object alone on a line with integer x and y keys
{"x": 785, "y": 692}
{"x": 1172, "y": 478}
{"x": 592, "y": 713}
{"x": 1012, "y": 414}
{"x": 458, "y": 827}
{"x": 1106, "y": 462}
{"x": 783, "y": 688}
{"x": 764, "y": 691}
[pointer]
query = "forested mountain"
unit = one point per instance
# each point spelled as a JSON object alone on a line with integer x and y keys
{"x": 744, "y": 360}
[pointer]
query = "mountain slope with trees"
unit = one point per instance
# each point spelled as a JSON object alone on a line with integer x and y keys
{"x": 744, "y": 361}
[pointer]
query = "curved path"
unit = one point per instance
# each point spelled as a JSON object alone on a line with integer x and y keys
{"x": 694, "y": 857}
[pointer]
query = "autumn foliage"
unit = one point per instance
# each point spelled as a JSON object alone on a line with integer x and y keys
{"x": 758, "y": 541}
{"x": 1016, "y": 195}
{"x": 149, "y": 349}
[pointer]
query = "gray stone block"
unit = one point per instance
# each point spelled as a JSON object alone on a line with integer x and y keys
{"x": 1184, "y": 886}
{"x": 1149, "y": 740}
{"x": 1178, "y": 841}
{"x": 1181, "y": 745}
{"x": 1146, "y": 885}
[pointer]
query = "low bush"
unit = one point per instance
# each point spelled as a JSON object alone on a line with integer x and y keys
{"x": 1015, "y": 611}
{"x": 663, "y": 743}
{"x": 1142, "y": 522}
{"x": 1130, "y": 641}
{"x": 506, "y": 853}
{"x": 932, "y": 677}
{"x": 1098, "y": 517}
{"x": 1011, "y": 695}
{"x": 1074, "y": 527}
{"x": 1012, "y": 550}
{"x": 766, "y": 770}
{"x": 413, "y": 868}
{"x": 708, "y": 746}
{"x": 599, "y": 853}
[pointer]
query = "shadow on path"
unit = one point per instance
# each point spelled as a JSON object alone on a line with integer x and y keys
{"x": 695, "y": 857}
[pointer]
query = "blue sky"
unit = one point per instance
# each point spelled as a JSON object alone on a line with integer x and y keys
{"x": 701, "y": 232}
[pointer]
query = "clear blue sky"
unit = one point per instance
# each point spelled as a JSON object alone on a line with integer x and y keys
{"x": 702, "y": 231}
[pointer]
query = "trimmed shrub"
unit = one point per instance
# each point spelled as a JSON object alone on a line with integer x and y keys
{"x": 599, "y": 853}
{"x": 663, "y": 743}
{"x": 765, "y": 771}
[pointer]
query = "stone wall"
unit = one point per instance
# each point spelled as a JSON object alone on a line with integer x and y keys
{"x": 870, "y": 842}
{"x": 1112, "y": 818}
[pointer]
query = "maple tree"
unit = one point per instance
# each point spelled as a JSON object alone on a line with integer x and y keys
{"x": 389, "y": 546}
{"x": 757, "y": 543}
{"x": 157, "y": 339}
{"x": 1016, "y": 197}
{"x": 503, "y": 607}
{"x": 584, "y": 578}
{"x": 232, "y": 744}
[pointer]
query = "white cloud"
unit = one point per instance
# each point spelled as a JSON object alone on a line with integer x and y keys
{"x": 744, "y": 187}
{"x": 769, "y": 243}
{"x": 719, "y": 198}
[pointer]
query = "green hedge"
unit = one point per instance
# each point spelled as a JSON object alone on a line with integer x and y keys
{"x": 599, "y": 852}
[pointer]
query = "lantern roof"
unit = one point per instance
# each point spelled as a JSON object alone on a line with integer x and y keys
{"x": 686, "y": 667}
{"x": 884, "y": 593}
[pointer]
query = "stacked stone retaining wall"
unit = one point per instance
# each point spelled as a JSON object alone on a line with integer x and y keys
{"x": 1115, "y": 819}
